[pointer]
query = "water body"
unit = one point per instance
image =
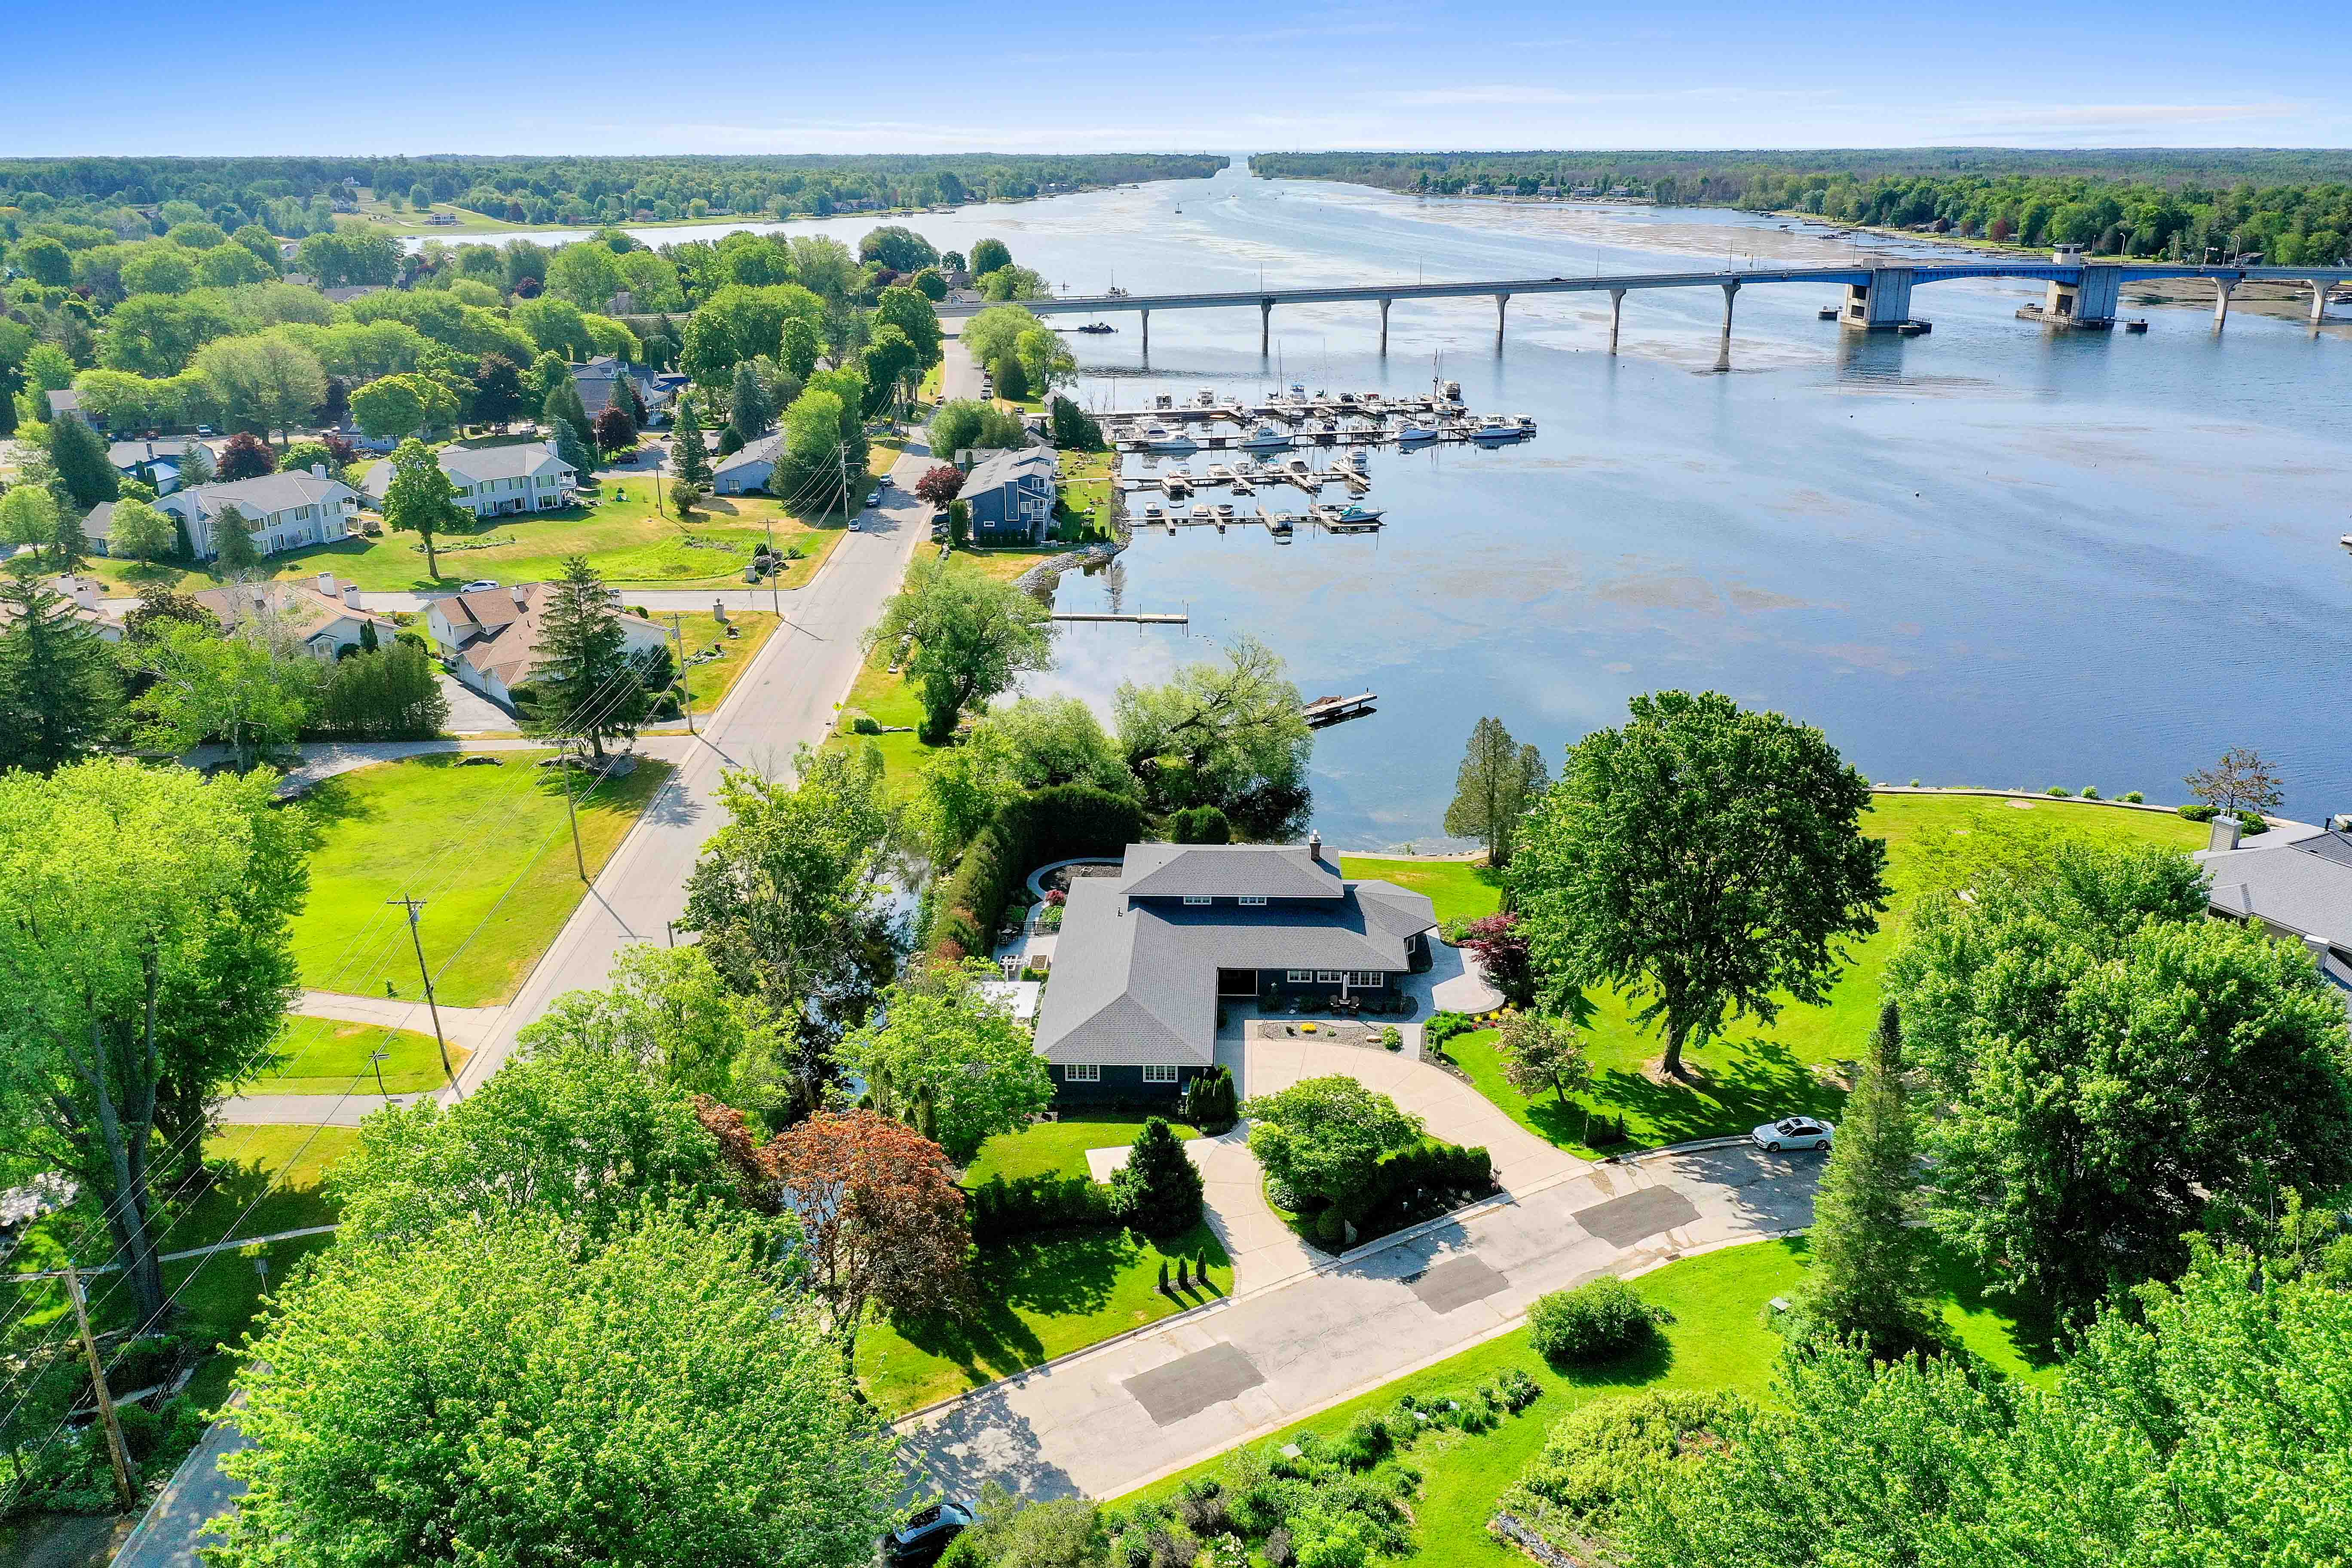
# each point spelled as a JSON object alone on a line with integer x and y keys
{"x": 1988, "y": 556}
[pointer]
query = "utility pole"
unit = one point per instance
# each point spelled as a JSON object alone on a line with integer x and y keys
{"x": 125, "y": 1491}
{"x": 685, "y": 687}
{"x": 842, "y": 452}
{"x": 579, "y": 862}
{"x": 413, "y": 906}
{"x": 376, "y": 1058}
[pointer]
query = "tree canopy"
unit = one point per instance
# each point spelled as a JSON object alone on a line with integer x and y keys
{"x": 948, "y": 1060}
{"x": 972, "y": 638}
{"x": 1225, "y": 734}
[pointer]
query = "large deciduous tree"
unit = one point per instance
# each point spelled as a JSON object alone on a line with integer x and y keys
{"x": 419, "y": 498}
{"x": 145, "y": 953}
{"x": 940, "y": 484}
{"x": 59, "y": 694}
{"x": 487, "y": 1395}
{"x": 1868, "y": 1273}
{"x": 265, "y": 382}
{"x": 909, "y": 311}
{"x": 1497, "y": 781}
{"x": 28, "y": 519}
{"x": 139, "y": 531}
{"x": 948, "y": 1060}
{"x": 1706, "y": 860}
{"x": 588, "y": 684}
{"x": 881, "y": 1216}
{"x": 789, "y": 895}
{"x": 2109, "y": 1062}
{"x": 497, "y": 390}
{"x": 1225, "y": 734}
{"x": 251, "y": 688}
{"x": 972, "y": 638}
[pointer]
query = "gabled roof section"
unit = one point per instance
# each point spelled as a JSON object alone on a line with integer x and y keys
{"x": 2304, "y": 887}
{"x": 1001, "y": 468}
{"x": 1229, "y": 871}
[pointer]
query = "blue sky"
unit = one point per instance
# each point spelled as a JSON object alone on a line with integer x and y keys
{"x": 729, "y": 76}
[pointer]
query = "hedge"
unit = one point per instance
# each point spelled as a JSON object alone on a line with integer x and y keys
{"x": 1029, "y": 1204}
{"x": 1064, "y": 822}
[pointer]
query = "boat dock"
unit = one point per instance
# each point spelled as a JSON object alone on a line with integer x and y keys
{"x": 1335, "y": 710}
{"x": 1140, "y": 618}
{"x": 1282, "y": 525}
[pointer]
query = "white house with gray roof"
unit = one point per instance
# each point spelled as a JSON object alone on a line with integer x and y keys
{"x": 1145, "y": 959}
{"x": 283, "y": 511}
{"x": 748, "y": 468}
{"x": 495, "y": 481}
{"x": 2295, "y": 883}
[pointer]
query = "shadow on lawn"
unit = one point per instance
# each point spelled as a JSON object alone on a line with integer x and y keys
{"x": 1746, "y": 1082}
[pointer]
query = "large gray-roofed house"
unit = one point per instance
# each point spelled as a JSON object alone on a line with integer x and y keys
{"x": 2300, "y": 888}
{"x": 1145, "y": 959}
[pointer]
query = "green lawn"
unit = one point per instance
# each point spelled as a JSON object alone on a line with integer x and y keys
{"x": 1058, "y": 1148}
{"x": 488, "y": 847}
{"x": 712, "y": 682}
{"x": 1797, "y": 1064}
{"x": 329, "y": 1056}
{"x": 1460, "y": 888}
{"x": 1033, "y": 1299}
{"x": 1719, "y": 1339}
{"x": 621, "y": 534}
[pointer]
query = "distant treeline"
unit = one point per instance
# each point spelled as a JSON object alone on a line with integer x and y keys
{"x": 2292, "y": 206}
{"x": 294, "y": 197}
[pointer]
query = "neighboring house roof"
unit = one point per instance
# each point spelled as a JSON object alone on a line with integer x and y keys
{"x": 1135, "y": 979}
{"x": 479, "y": 465}
{"x": 497, "y": 630}
{"x": 257, "y": 498}
{"x": 2304, "y": 886}
{"x": 597, "y": 377}
{"x": 1230, "y": 871}
{"x": 344, "y": 294}
{"x": 764, "y": 450}
{"x": 1001, "y": 468}
{"x": 303, "y": 605}
{"x": 130, "y": 455}
{"x": 64, "y": 401}
{"x": 81, "y": 595}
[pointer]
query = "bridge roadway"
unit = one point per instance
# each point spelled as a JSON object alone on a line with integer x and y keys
{"x": 2095, "y": 280}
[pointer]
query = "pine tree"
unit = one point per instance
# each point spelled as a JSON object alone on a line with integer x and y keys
{"x": 688, "y": 460}
{"x": 70, "y": 547}
{"x": 748, "y": 410}
{"x": 1869, "y": 1264}
{"x": 58, "y": 695}
{"x": 564, "y": 407}
{"x": 1157, "y": 1191}
{"x": 587, "y": 682}
{"x": 88, "y": 474}
{"x": 233, "y": 542}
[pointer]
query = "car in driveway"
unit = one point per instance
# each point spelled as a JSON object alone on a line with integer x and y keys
{"x": 919, "y": 1542}
{"x": 1792, "y": 1132}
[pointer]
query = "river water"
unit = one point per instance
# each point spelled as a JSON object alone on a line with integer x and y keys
{"x": 1985, "y": 556}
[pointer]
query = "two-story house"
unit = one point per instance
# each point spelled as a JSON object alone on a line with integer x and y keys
{"x": 495, "y": 481}
{"x": 1011, "y": 495}
{"x": 282, "y": 512}
{"x": 1145, "y": 959}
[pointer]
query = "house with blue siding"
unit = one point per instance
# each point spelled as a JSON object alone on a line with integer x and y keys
{"x": 1011, "y": 495}
{"x": 1145, "y": 959}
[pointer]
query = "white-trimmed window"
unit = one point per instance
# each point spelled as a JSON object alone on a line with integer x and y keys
{"x": 1302, "y": 977}
{"x": 1081, "y": 1072}
{"x": 1252, "y": 901}
{"x": 1198, "y": 898}
{"x": 1159, "y": 1074}
{"x": 1327, "y": 977}
{"x": 1367, "y": 979}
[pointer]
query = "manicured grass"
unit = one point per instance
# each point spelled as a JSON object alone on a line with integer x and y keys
{"x": 1085, "y": 497}
{"x": 330, "y": 1056}
{"x": 487, "y": 847}
{"x": 889, "y": 701}
{"x": 1799, "y": 1063}
{"x": 1461, "y": 890}
{"x": 1058, "y": 1148}
{"x": 1719, "y": 1339}
{"x": 622, "y": 536}
{"x": 709, "y": 683}
{"x": 1033, "y": 1301}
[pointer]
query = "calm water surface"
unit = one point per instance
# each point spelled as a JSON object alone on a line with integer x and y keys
{"x": 1984, "y": 556}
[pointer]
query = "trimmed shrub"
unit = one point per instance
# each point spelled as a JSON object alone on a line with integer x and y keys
{"x": 2132, "y": 795}
{"x": 865, "y": 725}
{"x": 2251, "y": 822}
{"x": 2090, "y": 792}
{"x": 1211, "y": 1102}
{"x": 2197, "y": 813}
{"x": 1028, "y": 1205}
{"x": 1157, "y": 1191}
{"x": 1594, "y": 1322}
{"x": 1200, "y": 825}
{"x": 1443, "y": 1027}
{"x": 2055, "y": 790}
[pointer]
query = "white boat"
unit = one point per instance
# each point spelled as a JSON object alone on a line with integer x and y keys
{"x": 1496, "y": 431}
{"x": 1201, "y": 512}
{"x": 1411, "y": 433}
{"x": 1360, "y": 458}
{"x": 1171, "y": 441}
{"x": 1151, "y": 513}
{"x": 1265, "y": 438}
{"x": 1526, "y": 422}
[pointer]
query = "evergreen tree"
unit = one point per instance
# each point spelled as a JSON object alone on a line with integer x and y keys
{"x": 70, "y": 545}
{"x": 233, "y": 542}
{"x": 59, "y": 694}
{"x": 1869, "y": 1273}
{"x": 587, "y": 683}
{"x": 1496, "y": 783}
{"x": 81, "y": 462}
{"x": 689, "y": 461}
{"x": 572, "y": 449}
{"x": 563, "y": 407}
{"x": 1157, "y": 1191}
{"x": 748, "y": 410}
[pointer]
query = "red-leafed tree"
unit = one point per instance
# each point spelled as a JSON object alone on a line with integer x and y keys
{"x": 1502, "y": 950}
{"x": 881, "y": 1214}
{"x": 746, "y": 1161}
{"x": 940, "y": 485}
{"x": 244, "y": 457}
{"x": 616, "y": 431}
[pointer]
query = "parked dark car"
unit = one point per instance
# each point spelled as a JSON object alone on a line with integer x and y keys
{"x": 919, "y": 1543}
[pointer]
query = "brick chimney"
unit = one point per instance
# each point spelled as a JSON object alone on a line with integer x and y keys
{"x": 1314, "y": 846}
{"x": 2225, "y": 834}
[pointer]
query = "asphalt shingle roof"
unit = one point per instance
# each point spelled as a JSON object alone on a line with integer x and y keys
{"x": 2304, "y": 887}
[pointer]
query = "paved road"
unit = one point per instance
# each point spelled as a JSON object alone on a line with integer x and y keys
{"x": 175, "y": 1526}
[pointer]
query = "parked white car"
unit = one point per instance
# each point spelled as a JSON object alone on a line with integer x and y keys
{"x": 1793, "y": 1133}
{"x": 478, "y": 585}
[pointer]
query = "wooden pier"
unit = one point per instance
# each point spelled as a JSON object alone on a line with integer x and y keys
{"x": 1335, "y": 709}
{"x": 1139, "y": 618}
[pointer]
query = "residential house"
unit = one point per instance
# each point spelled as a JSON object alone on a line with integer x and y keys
{"x": 156, "y": 461}
{"x": 601, "y": 379}
{"x": 343, "y": 294}
{"x": 491, "y": 636}
{"x": 1145, "y": 960}
{"x": 83, "y": 597}
{"x": 1011, "y": 495}
{"x": 747, "y": 469}
{"x": 323, "y": 612}
{"x": 285, "y": 511}
{"x": 65, "y": 404}
{"x": 495, "y": 481}
{"x": 2296, "y": 883}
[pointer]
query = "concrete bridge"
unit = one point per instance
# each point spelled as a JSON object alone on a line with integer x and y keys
{"x": 2081, "y": 295}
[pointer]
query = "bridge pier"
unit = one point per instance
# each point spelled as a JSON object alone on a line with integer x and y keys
{"x": 1616, "y": 312}
{"x": 1502, "y": 303}
{"x": 2221, "y": 287}
{"x": 1147, "y": 333}
{"x": 2318, "y": 302}
{"x": 1264, "y": 328}
{"x": 1723, "y": 353}
{"x": 1384, "y": 327}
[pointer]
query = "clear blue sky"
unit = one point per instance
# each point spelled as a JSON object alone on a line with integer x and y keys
{"x": 530, "y": 75}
